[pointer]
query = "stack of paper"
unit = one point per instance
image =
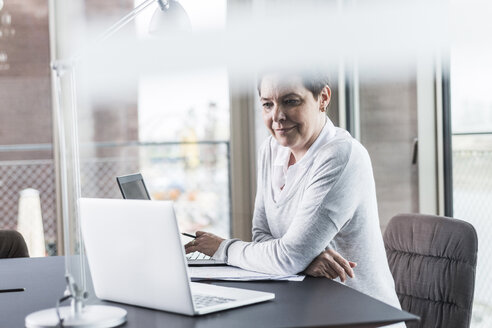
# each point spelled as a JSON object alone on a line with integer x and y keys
{"x": 235, "y": 274}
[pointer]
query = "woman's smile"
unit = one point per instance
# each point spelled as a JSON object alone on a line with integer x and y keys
{"x": 284, "y": 130}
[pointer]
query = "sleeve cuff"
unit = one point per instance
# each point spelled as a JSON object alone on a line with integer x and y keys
{"x": 221, "y": 253}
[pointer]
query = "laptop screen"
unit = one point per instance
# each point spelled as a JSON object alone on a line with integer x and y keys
{"x": 133, "y": 187}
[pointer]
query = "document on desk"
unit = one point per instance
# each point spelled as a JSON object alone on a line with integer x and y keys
{"x": 232, "y": 273}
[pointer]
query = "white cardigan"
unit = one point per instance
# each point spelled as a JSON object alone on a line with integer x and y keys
{"x": 330, "y": 202}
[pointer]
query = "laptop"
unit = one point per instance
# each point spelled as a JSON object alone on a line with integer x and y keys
{"x": 132, "y": 186}
{"x": 124, "y": 240}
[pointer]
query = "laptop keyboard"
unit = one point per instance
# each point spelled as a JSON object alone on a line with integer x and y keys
{"x": 209, "y": 300}
{"x": 197, "y": 256}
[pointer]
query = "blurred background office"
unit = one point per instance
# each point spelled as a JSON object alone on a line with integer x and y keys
{"x": 193, "y": 134}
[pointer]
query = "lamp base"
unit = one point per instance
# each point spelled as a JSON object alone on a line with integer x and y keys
{"x": 98, "y": 316}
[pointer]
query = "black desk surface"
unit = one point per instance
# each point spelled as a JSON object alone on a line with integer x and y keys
{"x": 315, "y": 302}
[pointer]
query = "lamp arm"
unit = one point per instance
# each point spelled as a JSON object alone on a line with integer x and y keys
{"x": 128, "y": 18}
{"x": 163, "y": 4}
{"x": 62, "y": 65}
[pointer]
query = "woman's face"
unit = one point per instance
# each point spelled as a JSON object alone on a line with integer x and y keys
{"x": 291, "y": 113}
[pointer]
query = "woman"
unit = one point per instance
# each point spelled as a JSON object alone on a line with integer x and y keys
{"x": 316, "y": 196}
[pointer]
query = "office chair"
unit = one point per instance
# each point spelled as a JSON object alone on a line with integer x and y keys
{"x": 12, "y": 244}
{"x": 433, "y": 261}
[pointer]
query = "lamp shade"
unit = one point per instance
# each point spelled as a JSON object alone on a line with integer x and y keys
{"x": 170, "y": 21}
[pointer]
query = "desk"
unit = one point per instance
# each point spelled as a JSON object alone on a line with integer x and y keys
{"x": 315, "y": 302}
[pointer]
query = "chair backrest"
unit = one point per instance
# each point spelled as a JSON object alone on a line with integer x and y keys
{"x": 433, "y": 261}
{"x": 12, "y": 244}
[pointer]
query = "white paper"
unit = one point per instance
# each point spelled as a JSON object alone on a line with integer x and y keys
{"x": 235, "y": 274}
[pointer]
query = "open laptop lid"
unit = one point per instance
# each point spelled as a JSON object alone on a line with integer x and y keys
{"x": 132, "y": 186}
{"x": 135, "y": 253}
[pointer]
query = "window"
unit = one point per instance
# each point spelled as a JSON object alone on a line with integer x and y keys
{"x": 174, "y": 129}
{"x": 471, "y": 114}
{"x": 26, "y": 156}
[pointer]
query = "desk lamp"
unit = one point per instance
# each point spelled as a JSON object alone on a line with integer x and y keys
{"x": 169, "y": 17}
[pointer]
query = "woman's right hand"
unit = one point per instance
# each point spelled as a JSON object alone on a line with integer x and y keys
{"x": 331, "y": 265}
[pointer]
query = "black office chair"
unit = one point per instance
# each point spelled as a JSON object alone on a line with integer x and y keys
{"x": 12, "y": 244}
{"x": 433, "y": 261}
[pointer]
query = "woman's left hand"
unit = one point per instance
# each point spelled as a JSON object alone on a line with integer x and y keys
{"x": 331, "y": 265}
{"x": 205, "y": 242}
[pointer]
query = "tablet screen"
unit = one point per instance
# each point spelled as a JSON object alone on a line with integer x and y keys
{"x": 133, "y": 187}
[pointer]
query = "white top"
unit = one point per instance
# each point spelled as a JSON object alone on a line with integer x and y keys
{"x": 281, "y": 170}
{"x": 329, "y": 201}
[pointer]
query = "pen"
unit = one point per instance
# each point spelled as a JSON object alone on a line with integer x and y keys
{"x": 12, "y": 290}
{"x": 188, "y": 235}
